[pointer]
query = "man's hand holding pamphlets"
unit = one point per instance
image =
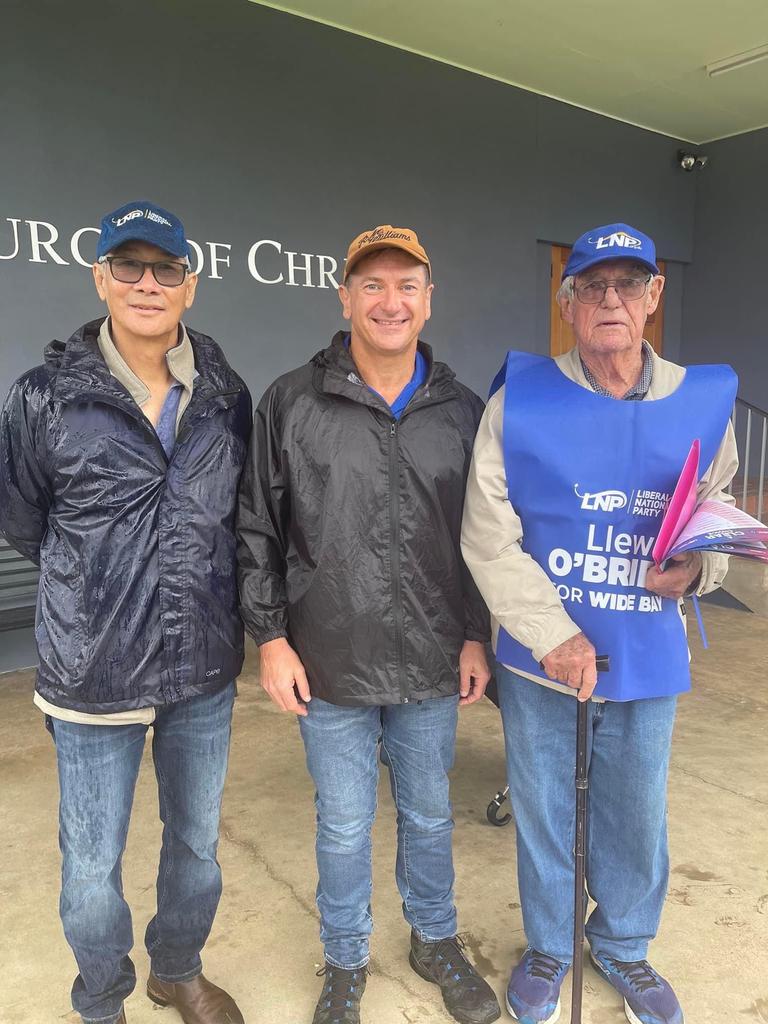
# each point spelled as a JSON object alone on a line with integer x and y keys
{"x": 710, "y": 526}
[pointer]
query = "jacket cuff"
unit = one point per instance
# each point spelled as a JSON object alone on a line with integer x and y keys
{"x": 565, "y": 629}
{"x": 272, "y": 634}
{"x": 714, "y": 568}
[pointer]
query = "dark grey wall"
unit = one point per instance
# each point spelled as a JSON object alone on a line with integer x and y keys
{"x": 252, "y": 124}
{"x": 725, "y": 315}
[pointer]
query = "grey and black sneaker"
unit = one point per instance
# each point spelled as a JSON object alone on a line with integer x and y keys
{"x": 468, "y": 998}
{"x": 339, "y": 1002}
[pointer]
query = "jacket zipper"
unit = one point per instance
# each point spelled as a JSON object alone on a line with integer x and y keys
{"x": 394, "y": 560}
{"x": 394, "y": 541}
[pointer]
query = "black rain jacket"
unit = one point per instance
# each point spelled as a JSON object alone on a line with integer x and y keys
{"x": 137, "y": 604}
{"x": 348, "y": 531}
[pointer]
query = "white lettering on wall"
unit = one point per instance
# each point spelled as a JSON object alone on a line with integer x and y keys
{"x": 304, "y": 268}
{"x": 253, "y": 269}
{"x": 215, "y": 259}
{"x": 268, "y": 262}
{"x": 74, "y": 246}
{"x": 14, "y": 222}
{"x": 196, "y": 264}
{"x": 38, "y": 243}
{"x": 327, "y": 275}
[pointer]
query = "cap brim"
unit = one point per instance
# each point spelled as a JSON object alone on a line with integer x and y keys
{"x": 609, "y": 259}
{"x": 150, "y": 238}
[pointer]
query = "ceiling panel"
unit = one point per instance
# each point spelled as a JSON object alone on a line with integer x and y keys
{"x": 643, "y": 63}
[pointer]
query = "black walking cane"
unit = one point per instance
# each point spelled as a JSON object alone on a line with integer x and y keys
{"x": 582, "y": 788}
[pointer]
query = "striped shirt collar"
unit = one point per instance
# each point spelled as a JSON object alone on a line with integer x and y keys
{"x": 638, "y": 391}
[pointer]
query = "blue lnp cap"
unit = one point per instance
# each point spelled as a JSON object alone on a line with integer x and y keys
{"x": 142, "y": 221}
{"x": 611, "y": 242}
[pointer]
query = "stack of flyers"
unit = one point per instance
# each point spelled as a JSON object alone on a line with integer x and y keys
{"x": 710, "y": 526}
{"x": 715, "y": 526}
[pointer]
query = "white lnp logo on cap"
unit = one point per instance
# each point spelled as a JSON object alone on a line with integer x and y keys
{"x": 620, "y": 238}
{"x": 126, "y": 217}
{"x": 147, "y": 214}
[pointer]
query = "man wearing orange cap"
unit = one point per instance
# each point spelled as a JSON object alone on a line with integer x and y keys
{"x": 369, "y": 626}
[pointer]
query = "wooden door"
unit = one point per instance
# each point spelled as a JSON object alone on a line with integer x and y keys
{"x": 560, "y": 334}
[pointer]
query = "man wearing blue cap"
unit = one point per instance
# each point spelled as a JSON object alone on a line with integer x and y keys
{"x": 574, "y": 461}
{"x": 119, "y": 463}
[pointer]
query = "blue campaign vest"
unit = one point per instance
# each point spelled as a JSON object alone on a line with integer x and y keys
{"x": 589, "y": 477}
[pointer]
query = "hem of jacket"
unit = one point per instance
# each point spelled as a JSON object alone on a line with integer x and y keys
{"x": 383, "y": 700}
{"x": 204, "y": 689}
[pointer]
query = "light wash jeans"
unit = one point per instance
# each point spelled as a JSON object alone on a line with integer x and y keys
{"x": 627, "y": 865}
{"x": 98, "y": 766}
{"x": 417, "y": 745}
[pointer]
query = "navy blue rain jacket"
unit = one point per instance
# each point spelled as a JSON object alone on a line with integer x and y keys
{"x": 137, "y": 604}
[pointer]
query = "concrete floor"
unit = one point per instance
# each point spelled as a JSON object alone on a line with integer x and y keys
{"x": 264, "y": 948}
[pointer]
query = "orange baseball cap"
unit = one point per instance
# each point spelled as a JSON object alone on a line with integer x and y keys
{"x": 385, "y": 237}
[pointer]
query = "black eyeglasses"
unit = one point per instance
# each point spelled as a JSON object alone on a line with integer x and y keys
{"x": 627, "y": 288}
{"x": 130, "y": 271}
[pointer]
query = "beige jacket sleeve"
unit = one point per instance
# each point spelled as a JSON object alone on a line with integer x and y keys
{"x": 712, "y": 487}
{"x": 519, "y": 594}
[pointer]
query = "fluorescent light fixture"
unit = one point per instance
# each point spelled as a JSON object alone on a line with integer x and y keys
{"x": 738, "y": 60}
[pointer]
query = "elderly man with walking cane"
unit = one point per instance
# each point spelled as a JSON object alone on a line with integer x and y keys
{"x": 573, "y": 461}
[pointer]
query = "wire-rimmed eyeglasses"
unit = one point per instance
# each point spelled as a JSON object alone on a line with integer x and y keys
{"x": 627, "y": 288}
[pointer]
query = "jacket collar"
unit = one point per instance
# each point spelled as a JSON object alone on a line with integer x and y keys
{"x": 335, "y": 373}
{"x": 80, "y": 369}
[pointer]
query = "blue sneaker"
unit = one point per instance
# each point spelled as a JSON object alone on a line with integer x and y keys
{"x": 648, "y": 998}
{"x": 533, "y": 993}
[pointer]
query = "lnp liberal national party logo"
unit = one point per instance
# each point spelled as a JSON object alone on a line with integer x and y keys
{"x": 601, "y": 501}
{"x": 147, "y": 214}
{"x": 620, "y": 239}
{"x": 640, "y": 502}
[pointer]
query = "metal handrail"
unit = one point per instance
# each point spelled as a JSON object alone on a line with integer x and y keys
{"x": 750, "y": 423}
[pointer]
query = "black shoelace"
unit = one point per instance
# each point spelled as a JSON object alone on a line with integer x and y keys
{"x": 452, "y": 962}
{"x": 542, "y": 966}
{"x": 638, "y": 973}
{"x": 341, "y": 990}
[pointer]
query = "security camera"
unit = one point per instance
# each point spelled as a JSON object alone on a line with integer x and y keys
{"x": 691, "y": 161}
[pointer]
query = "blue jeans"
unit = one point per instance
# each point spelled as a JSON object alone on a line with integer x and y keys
{"x": 417, "y": 745}
{"x": 627, "y": 865}
{"x": 98, "y": 766}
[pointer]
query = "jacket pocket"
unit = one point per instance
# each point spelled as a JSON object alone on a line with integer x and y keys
{"x": 60, "y": 629}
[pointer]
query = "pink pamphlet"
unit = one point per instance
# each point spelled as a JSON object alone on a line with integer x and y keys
{"x": 681, "y": 506}
{"x": 709, "y": 526}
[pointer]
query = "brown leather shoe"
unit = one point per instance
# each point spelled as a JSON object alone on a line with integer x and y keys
{"x": 198, "y": 1001}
